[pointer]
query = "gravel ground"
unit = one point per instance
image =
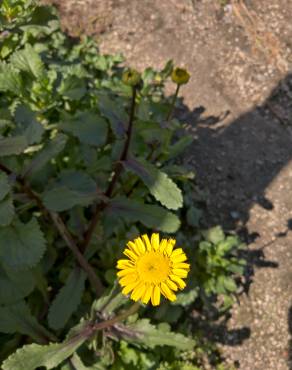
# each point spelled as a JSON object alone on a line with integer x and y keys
{"x": 239, "y": 56}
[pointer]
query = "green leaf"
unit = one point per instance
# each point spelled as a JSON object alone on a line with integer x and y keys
{"x": 142, "y": 331}
{"x": 33, "y": 356}
{"x": 50, "y": 151}
{"x": 214, "y": 235}
{"x": 186, "y": 298}
{"x": 229, "y": 284}
{"x": 88, "y": 127}
{"x": 28, "y": 125}
{"x": 67, "y": 300}
{"x": 14, "y": 285}
{"x": 73, "y": 188}
{"x": 13, "y": 145}
{"x": 109, "y": 301}
{"x": 115, "y": 113}
{"x": 77, "y": 364}
{"x": 159, "y": 184}
{"x": 73, "y": 88}
{"x": 28, "y": 60}
{"x": 4, "y": 185}
{"x": 17, "y": 318}
{"x": 179, "y": 147}
{"x": 6, "y": 211}
{"x": 22, "y": 245}
{"x": 193, "y": 216}
{"x": 227, "y": 245}
{"x": 154, "y": 217}
{"x": 10, "y": 79}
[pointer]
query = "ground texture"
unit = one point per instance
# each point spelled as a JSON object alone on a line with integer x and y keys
{"x": 238, "y": 106}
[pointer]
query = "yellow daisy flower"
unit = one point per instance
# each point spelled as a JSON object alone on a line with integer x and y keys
{"x": 153, "y": 268}
{"x": 180, "y": 76}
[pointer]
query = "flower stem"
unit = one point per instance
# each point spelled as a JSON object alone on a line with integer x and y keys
{"x": 122, "y": 316}
{"x": 124, "y": 155}
{"x": 117, "y": 172}
{"x": 173, "y": 103}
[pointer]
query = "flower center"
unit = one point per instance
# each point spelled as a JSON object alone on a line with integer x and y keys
{"x": 153, "y": 267}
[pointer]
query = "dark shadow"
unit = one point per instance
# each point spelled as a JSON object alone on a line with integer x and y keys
{"x": 235, "y": 162}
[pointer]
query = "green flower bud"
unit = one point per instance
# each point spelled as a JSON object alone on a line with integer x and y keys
{"x": 180, "y": 76}
{"x": 131, "y": 77}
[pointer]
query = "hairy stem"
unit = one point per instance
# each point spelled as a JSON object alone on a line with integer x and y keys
{"x": 63, "y": 231}
{"x": 171, "y": 108}
{"x": 117, "y": 172}
{"x": 67, "y": 237}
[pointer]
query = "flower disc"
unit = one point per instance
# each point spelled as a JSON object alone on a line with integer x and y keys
{"x": 153, "y": 268}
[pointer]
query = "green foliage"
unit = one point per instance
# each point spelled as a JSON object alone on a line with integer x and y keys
{"x": 67, "y": 299}
{"x": 64, "y": 126}
{"x": 143, "y": 332}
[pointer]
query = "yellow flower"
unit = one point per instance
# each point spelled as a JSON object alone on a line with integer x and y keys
{"x": 131, "y": 77}
{"x": 153, "y": 268}
{"x": 180, "y": 76}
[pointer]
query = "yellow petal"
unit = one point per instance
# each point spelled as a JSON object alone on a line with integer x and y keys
{"x": 180, "y": 258}
{"x": 170, "y": 245}
{"x": 140, "y": 245}
{"x": 147, "y": 294}
{"x": 155, "y": 297}
{"x": 181, "y": 284}
{"x": 167, "y": 292}
{"x": 138, "y": 292}
{"x": 176, "y": 252}
{"x": 134, "y": 248}
{"x": 155, "y": 241}
{"x": 185, "y": 266}
{"x": 126, "y": 272}
{"x": 171, "y": 285}
{"x": 147, "y": 242}
{"x": 180, "y": 273}
{"x": 128, "y": 279}
{"x": 163, "y": 245}
{"x": 128, "y": 288}
{"x": 133, "y": 256}
{"x": 122, "y": 264}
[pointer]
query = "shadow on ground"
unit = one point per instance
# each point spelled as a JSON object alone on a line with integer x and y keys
{"x": 236, "y": 162}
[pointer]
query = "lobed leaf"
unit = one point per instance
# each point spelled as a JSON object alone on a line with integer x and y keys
{"x": 73, "y": 188}
{"x": 14, "y": 285}
{"x": 22, "y": 245}
{"x": 33, "y": 356}
{"x": 115, "y": 113}
{"x": 13, "y": 145}
{"x": 10, "y": 79}
{"x": 28, "y": 125}
{"x": 142, "y": 331}
{"x": 6, "y": 211}
{"x": 88, "y": 127}
{"x": 4, "y": 185}
{"x": 28, "y": 60}
{"x": 159, "y": 184}
{"x": 50, "y": 151}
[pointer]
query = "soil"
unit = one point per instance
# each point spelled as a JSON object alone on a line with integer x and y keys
{"x": 238, "y": 107}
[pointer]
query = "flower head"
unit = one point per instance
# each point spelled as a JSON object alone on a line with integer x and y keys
{"x": 131, "y": 77}
{"x": 153, "y": 268}
{"x": 180, "y": 76}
